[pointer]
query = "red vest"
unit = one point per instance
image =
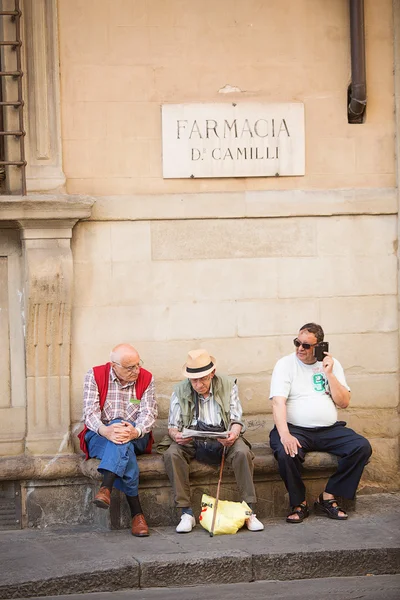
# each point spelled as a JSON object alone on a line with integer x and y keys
{"x": 101, "y": 375}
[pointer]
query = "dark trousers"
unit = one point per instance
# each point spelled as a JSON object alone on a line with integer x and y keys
{"x": 352, "y": 449}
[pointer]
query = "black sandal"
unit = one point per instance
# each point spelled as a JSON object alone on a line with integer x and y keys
{"x": 302, "y": 512}
{"x": 326, "y": 506}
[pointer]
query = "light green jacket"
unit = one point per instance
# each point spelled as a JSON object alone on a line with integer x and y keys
{"x": 221, "y": 388}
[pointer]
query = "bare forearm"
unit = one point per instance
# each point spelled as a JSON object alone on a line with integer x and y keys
{"x": 289, "y": 442}
{"x": 279, "y": 413}
{"x": 340, "y": 394}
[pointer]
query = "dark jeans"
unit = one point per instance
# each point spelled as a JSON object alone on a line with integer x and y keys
{"x": 352, "y": 449}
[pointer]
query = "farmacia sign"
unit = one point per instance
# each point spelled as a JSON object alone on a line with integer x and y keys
{"x": 233, "y": 140}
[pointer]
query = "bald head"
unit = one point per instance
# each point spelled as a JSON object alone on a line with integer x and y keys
{"x": 124, "y": 353}
{"x": 125, "y": 362}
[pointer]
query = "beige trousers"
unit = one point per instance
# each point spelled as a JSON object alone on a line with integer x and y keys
{"x": 239, "y": 457}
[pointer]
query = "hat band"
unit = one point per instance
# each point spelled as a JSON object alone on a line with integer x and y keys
{"x": 200, "y": 369}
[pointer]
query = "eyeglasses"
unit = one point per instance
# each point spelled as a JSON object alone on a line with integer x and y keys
{"x": 132, "y": 368}
{"x": 298, "y": 343}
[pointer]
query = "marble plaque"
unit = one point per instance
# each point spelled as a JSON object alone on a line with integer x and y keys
{"x": 233, "y": 140}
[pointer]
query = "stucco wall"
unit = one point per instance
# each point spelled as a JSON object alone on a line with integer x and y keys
{"x": 121, "y": 59}
{"x": 235, "y": 265}
{"x": 242, "y": 289}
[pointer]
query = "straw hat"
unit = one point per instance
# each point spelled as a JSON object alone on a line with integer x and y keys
{"x": 199, "y": 364}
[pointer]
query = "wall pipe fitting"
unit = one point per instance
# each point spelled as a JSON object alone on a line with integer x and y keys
{"x": 357, "y": 92}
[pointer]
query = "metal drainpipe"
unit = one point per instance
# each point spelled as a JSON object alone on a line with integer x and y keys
{"x": 357, "y": 91}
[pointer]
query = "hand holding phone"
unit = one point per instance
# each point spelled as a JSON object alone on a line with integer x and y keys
{"x": 320, "y": 349}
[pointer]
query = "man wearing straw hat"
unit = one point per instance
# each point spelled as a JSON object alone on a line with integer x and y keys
{"x": 211, "y": 400}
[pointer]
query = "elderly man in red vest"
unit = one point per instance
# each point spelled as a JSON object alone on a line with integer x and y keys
{"x": 120, "y": 409}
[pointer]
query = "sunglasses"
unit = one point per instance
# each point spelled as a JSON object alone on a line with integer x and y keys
{"x": 298, "y": 343}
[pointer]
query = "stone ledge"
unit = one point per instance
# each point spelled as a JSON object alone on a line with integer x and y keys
{"x": 14, "y": 468}
{"x": 246, "y": 204}
{"x": 45, "y": 206}
{"x": 152, "y": 465}
{"x": 60, "y": 489}
{"x": 24, "y": 466}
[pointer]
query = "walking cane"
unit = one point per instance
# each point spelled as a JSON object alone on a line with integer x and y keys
{"x": 217, "y": 496}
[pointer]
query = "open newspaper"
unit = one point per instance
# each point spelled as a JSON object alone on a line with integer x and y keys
{"x": 191, "y": 433}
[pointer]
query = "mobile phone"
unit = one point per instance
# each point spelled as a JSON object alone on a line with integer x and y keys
{"x": 319, "y": 350}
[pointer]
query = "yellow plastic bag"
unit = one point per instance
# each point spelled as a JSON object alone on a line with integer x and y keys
{"x": 230, "y": 515}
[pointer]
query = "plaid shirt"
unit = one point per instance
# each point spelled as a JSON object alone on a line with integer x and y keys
{"x": 209, "y": 410}
{"x": 118, "y": 405}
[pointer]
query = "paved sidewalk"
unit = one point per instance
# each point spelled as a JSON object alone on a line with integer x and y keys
{"x": 80, "y": 559}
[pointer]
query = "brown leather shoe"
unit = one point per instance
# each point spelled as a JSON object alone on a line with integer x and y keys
{"x": 103, "y": 498}
{"x": 139, "y": 526}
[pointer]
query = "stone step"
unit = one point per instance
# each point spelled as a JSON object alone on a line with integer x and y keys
{"x": 83, "y": 559}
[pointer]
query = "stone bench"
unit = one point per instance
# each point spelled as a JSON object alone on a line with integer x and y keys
{"x": 60, "y": 489}
{"x": 156, "y": 495}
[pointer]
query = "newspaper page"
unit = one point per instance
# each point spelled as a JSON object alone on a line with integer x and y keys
{"x": 192, "y": 433}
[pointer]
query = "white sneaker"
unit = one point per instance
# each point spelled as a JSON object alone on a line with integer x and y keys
{"x": 253, "y": 524}
{"x": 186, "y": 524}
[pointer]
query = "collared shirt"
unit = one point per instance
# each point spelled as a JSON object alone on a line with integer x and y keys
{"x": 209, "y": 410}
{"x": 121, "y": 403}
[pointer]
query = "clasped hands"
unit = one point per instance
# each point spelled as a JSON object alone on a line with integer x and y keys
{"x": 119, "y": 433}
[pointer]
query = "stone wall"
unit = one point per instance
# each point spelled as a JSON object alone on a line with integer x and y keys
{"x": 242, "y": 288}
{"x": 12, "y": 361}
{"x": 121, "y": 59}
{"x": 235, "y": 265}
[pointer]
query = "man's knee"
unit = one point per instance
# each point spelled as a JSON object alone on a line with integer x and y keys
{"x": 168, "y": 454}
{"x": 241, "y": 455}
{"x": 364, "y": 448}
{"x": 173, "y": 454}
{"x": 280, "y": 454}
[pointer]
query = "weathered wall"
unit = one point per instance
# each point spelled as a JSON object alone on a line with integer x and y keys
{"x": 121, "y": 59}
{"x": 235, "y": 265}
{"x": 244, "y": 300}
{"x": 12, "y": 360}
